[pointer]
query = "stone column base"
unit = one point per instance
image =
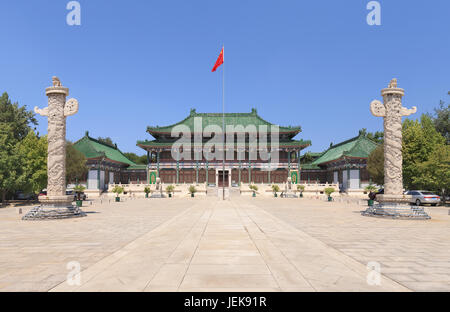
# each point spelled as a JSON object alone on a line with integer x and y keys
{"x": 54, "y": 207}
{"x": 396, "y": 210}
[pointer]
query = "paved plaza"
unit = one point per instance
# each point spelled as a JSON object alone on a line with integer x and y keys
{"x": 242, "y": 244}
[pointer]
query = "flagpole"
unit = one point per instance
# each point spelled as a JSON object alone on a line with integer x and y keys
{"x": 223, "y": 122}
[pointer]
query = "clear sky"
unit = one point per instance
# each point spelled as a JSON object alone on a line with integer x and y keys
{"x": 136, "y": 63}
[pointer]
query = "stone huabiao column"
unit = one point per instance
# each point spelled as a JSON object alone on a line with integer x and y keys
{"x": 393, "y": 202}
{"x": 56, "y": 204}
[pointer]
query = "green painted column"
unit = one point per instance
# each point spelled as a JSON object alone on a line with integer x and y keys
{"x": 249, "y": 171}
{"x": 157, "y": 162}
{"x": 148, "y": 166}
{"x": 289, "y": 161}
{"x": 299, "y": 168}
{"x": 178, "y": 171}
{"x": 196, "y": 172}
{"x": 98, "y": 176}
{"x": 240, "y": 165}
{"x": 270, "y": 164}
{"x": 207, "y": 172}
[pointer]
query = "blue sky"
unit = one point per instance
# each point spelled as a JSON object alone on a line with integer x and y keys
{"x": 311, "y": 63}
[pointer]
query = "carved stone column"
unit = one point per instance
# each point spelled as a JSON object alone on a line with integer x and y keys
{"x": 393, "y": 202}
{"x": 56, "y": 204}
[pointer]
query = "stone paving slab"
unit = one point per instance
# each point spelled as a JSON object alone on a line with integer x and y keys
{"x": 243, "y": 244}
{"x": 226, "y": 246}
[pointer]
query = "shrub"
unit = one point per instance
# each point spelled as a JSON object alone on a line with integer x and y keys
{"x": 192, "y": 189}
{"x": 329, "y": 191}
{"x": 118, "y": 190}
{"x": 275, "y": 188}
{"x": 300, "y": 188}
{"x": 147, "y": 190}
{"x": 170, "y": 188}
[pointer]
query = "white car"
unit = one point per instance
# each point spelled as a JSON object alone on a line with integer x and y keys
{"x": 424, "y": 197}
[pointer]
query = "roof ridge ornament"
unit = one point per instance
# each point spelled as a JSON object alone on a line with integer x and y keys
{"x": 193, "y": 112}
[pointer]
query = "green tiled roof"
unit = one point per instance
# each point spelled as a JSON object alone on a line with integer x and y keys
{"x": 235, "y": 119}
{"x": 309, "y": 166}
{"x": 358, "y": 147}
{"x": 92, "y": 148}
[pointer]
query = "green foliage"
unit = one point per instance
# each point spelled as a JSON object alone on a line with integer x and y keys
{"x": 79, "y": 188}
{"x": 107, "y": 141}
{"x": 329, "y": 191}
{"x": 434, "y": 174}
{"x": 14, "y": 126}
{"x": 300, "y": 188}
{"x": 33, "y": 151}
{"x": 377, "y": 137}
{"x": 441, "y": 120}
{"x": 275, "y": 188}
{"x": 375, "y": 165}
{"x": 170, "y": 188}
{"x": 253, "y": 187}
{"x": 140, "y": 160}
{"x": 371, "y": 188}
{"x": 192, "y": 189}
{"x": 421, "y": 142}
{"x": 76, "y": 169}
{"x": 147, "y": 190}
{"x": 11, "y": 172}
{"x": 17, "y": 118}
{"x": 118, "y": 190}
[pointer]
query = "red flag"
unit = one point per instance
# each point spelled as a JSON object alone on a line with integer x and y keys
{"x": 219, "y": 61}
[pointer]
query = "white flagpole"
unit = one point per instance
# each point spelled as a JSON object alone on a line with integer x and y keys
{"x": 223, "y": 122}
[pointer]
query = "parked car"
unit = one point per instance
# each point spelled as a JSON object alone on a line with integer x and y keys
{"x": 24, "y": 196}
{"x": 424, "y": 197}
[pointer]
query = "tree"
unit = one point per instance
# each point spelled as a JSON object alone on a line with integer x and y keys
{"x": 107, "y": 141}
{"x": 14, "y": 126}
{"x": 421, "y": 142}
{"x": 435, "y": 172}
{"x": 33, "y": 151}
{"x": 18, "y": 118}
{"x": 10, "y": 163}
{"x": 441, "y": 120}
{"x": 377, "y": 137}
{"x": 136, "y": 159}
{"x": 76, "y": 168}
{"x": 375, "y": 165}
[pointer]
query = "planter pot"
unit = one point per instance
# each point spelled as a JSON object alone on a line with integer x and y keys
{"x": 330, "y": 198}
{"x": 117, "y": 199}
{"x": 170, "y": 195}
{"x": 301, "y": 195}
{"x": 192, "y": 194}
{"x": 79, "y": 203}
{"x": 146, "y": 195}
{"x": 276, "y": 195}
{"x": 254, "y": 194}
{"x": 370, "y": 202}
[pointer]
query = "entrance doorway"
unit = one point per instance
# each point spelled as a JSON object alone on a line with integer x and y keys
{"x": 223, "y": 178}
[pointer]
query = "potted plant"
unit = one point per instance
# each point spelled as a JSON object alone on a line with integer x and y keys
{"x": 147, "y": 191}
{"x": 117, "y": 190}
{"x": 192, "y": 190}
{"x": 329, "y": 191}
{"x": 79, "y": 189}
{"x": 371, "y": 189}
{"x": 170, "y": 189}
{"x": 275, "y": 189}
{"x": 301, "y": 189}
{"x": 254, "y": 188}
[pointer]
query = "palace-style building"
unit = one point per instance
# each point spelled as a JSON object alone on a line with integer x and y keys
{"x": 343, "y": 163}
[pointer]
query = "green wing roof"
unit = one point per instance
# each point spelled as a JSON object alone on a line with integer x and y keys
{"x": 92, "y": 148}
{"x": 358, "y": 147}
{"x": 243, "y": 119}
